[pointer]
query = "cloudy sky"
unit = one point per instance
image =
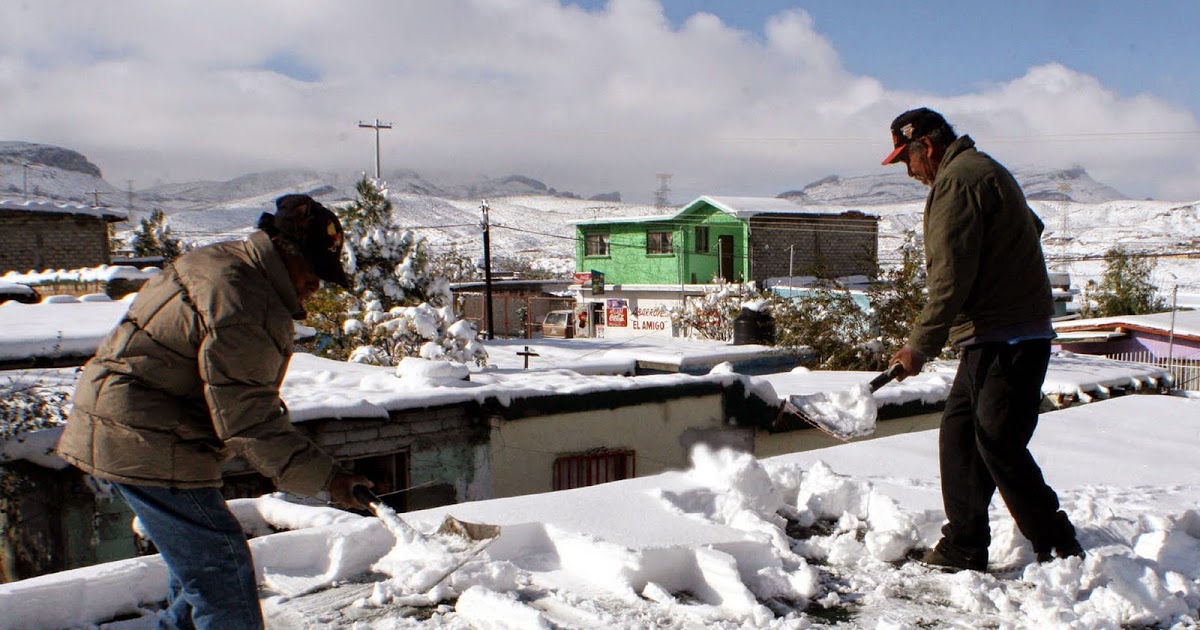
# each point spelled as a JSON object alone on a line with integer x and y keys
{"x": 729, "y": 97}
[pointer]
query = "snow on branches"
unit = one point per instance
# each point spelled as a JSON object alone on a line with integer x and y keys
{"x": 406, "y": 308}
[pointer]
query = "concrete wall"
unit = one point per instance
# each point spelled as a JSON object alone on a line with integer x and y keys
{"x": 662, "y": 434}
{"x": 47, "y": 240}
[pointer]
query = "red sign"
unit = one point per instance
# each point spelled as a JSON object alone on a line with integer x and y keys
{"x": 584, "y": 277}
{"x": 617, "y": 317}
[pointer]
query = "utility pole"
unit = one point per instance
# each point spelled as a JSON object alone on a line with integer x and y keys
{"x": 96, "y": 193}
{"x": 376, "y": 126}
{"x": 487, "y": 269}
{"x": 25, "y": 179}
{"x": 1171, "y": 336}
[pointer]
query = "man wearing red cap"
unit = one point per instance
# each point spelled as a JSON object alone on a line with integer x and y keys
{"x": 989, "y": 294}
{"x": 189, "y": 378}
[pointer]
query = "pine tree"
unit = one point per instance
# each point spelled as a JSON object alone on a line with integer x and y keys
{"x": 153, "y": 238}
{"x": 405, "y": 308}
{"x": 1124, "y": 289}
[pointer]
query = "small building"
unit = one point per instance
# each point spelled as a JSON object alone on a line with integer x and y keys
{"x": 1170, "y": 339}
{"x": 37, "y": 235}
{"x": 518, "y": 306}
{"x": 641, "y": 267}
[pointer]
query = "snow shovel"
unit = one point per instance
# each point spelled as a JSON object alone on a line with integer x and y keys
{"x": 844, "y": 415}
{"x": 420, "y": 561}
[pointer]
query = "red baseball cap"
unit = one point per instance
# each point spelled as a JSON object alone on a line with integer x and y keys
{"x": 913, "y": 124}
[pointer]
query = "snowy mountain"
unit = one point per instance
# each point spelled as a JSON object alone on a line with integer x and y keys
{"x": 50, "y": 172}
{"x": 897, "y": 187}
{"x": 531, "y": 220}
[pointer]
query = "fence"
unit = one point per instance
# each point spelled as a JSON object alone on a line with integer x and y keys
{"x": 1185, "y": 371}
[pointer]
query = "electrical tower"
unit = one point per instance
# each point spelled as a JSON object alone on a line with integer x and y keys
{"x": 662, "y": 196}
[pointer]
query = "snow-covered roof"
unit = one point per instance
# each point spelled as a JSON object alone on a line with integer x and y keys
{"x": 1186, "y": 323}
{"x": 29, "y": 205}
{"x": 58, "y": 326}
{"x": 740, "y": 207}
{"x": 14, "y": 288}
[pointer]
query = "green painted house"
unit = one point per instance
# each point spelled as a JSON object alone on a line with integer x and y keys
{"x": 736, "y": 239}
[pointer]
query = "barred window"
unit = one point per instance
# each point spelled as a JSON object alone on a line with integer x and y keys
{"x": 701, "y": 239}
{"x": 659, "y": 243}
{"x": 589, "y": 469}
{"x": 595, "y": 245}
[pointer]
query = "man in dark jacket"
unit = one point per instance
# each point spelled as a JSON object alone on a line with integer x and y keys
{"x": 189, "y": 378}
{"x": 988, "y": 293}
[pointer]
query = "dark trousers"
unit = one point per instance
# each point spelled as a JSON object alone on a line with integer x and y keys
{"x": 991, "y": 413}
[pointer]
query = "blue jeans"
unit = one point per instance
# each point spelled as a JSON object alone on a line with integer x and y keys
{"x": 212, "y": 582}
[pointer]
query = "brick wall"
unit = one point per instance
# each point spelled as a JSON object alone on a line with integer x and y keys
{"x": 34, "y": 241}
{"x": 439, "y": 445}
{"x": 815, "y": 244}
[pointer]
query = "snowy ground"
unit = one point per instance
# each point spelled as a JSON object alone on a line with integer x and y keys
{"x": 814, "y": 539}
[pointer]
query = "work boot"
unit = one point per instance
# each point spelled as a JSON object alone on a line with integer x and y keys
{"x": 936, "y": 558}
{"x": 1072, "y": 549}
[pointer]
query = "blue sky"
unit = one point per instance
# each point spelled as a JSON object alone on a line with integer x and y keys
{"x": 751, "y": 98}
{"x": 953, "y": 46}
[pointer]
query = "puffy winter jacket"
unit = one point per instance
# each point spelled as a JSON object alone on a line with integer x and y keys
{"x": 983, "y": 253}
{"x": 191, "y": 377}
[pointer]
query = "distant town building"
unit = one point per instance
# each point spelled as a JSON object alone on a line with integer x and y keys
{"x": 633, "y": 270}
{"x": 38, "y": 235}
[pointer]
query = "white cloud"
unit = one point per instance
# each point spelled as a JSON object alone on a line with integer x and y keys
{"x": 586, "y": 101}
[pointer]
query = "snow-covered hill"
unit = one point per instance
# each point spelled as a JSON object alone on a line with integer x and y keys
{"x": 1077, "y": 235}
{"x": 896, "y": 187}
{"x": 532, "y": 221}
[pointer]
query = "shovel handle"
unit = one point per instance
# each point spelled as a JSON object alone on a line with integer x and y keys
{"x": 365, "y": 496}
{"x": 886, "y": 377}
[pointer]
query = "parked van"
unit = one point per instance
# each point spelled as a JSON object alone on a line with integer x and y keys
{"x": 559, "y": 324}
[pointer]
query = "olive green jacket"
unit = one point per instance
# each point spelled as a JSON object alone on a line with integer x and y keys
{"x": 983, "y": 253}
{"x": 190, "y": 377}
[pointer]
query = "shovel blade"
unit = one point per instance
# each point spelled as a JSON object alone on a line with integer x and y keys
{"x": 844, "y": 416}
{"x": 473, "y": 532}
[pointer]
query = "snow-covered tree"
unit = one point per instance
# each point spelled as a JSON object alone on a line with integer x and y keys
{"x": 1125, "y": 289}
{"x": 828, "y": 321}
{"x": 405, "y": 308}
{"x": 710, "y": 316}
{"x": 154, "y": 238}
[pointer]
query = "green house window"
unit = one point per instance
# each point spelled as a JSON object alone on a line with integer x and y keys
{"x": 659, "y": 243}
{"x": 701, "y": 239}
{"x": 596, "y": 245}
